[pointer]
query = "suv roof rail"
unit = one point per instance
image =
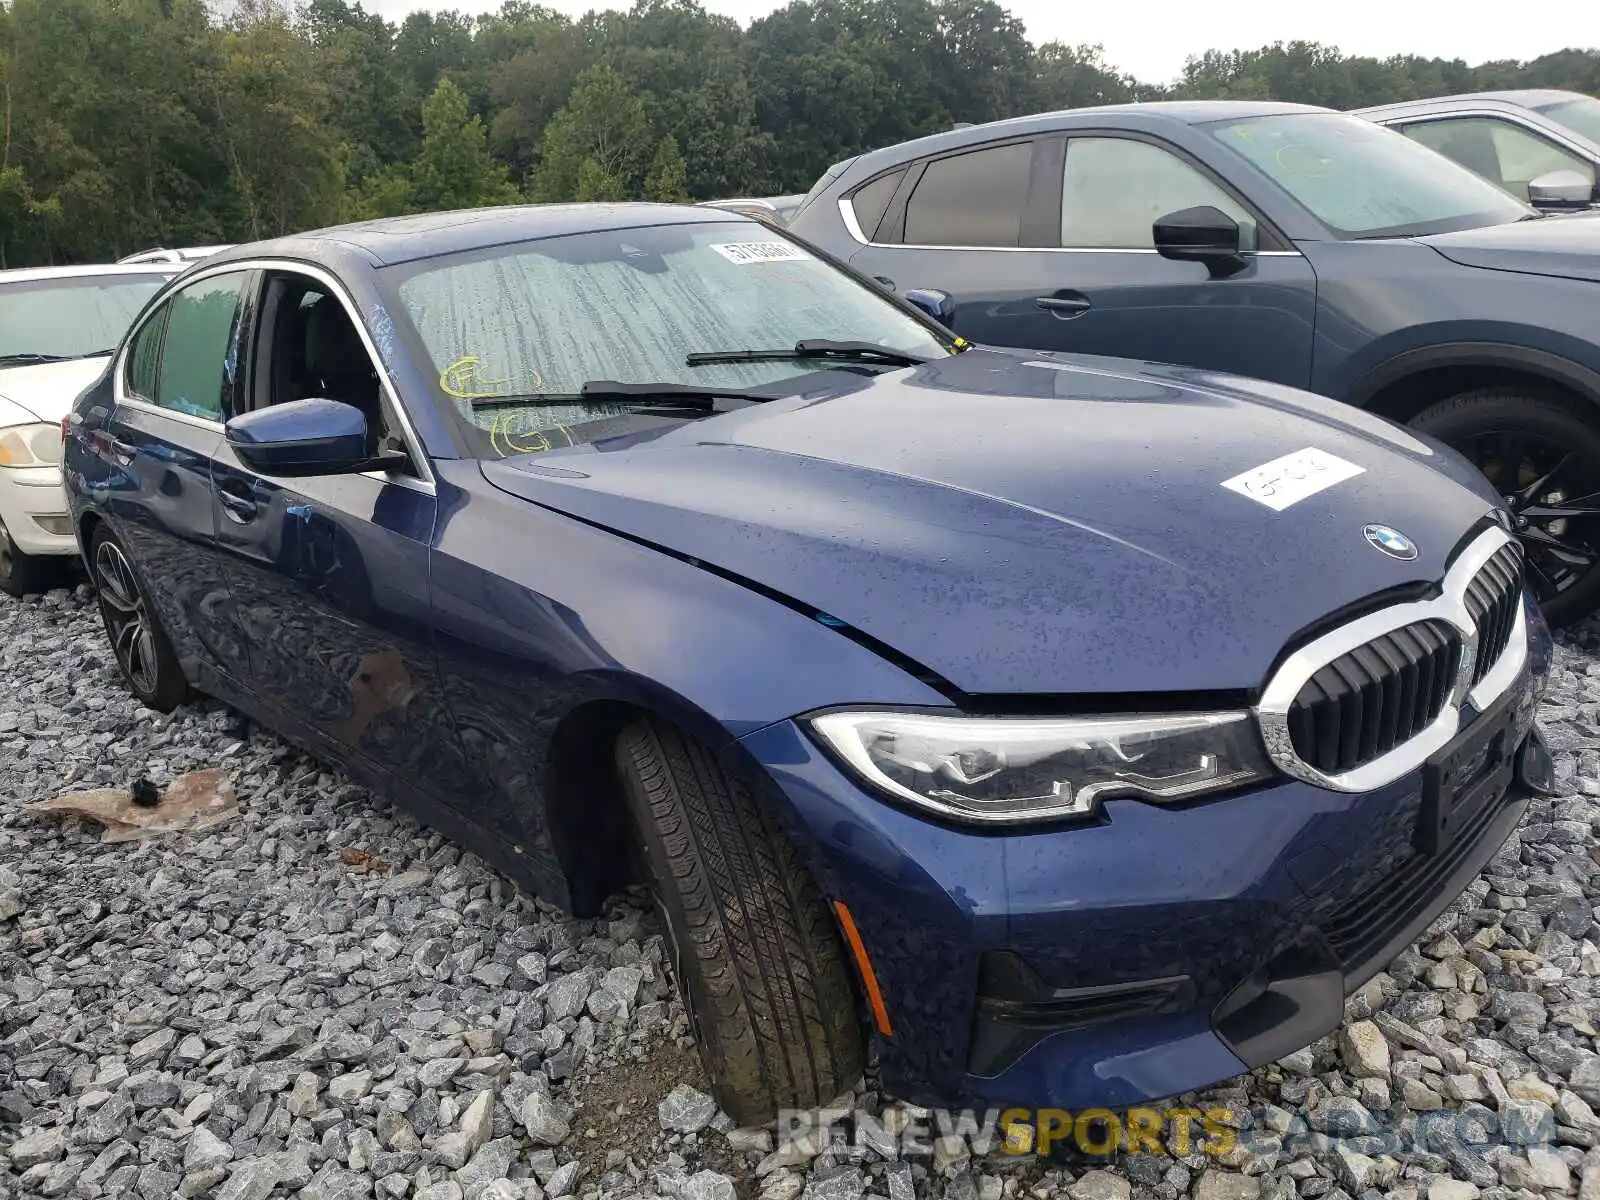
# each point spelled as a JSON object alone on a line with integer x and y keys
{"x": 154, "y": 255}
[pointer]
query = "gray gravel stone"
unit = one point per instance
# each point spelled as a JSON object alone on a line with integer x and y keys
{"x": 543, "y": 1121}
{"x": 685, "y": 1110}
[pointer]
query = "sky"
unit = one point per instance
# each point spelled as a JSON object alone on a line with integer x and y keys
{"x": 1152, "y": 40}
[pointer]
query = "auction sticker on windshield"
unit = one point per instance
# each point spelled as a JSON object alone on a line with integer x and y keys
{"x": 745, "y": 253}
{"x": 1290, "y": 479}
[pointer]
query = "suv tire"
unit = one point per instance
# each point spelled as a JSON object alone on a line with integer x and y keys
{"x": 1482, "y": 425}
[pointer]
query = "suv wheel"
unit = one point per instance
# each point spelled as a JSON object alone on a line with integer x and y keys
{"x": 1544, "y": 460}
{"x": 757, "y": 952}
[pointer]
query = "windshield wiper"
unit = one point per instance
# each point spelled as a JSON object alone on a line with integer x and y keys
{"x": 30, "y": 360}
{"x": 812, "y": 348}
{"x": 677, "y": 395}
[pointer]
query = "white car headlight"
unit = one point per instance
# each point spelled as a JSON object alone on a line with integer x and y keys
{"x": 30, "y": 446}
{"x": 999, "y": 770}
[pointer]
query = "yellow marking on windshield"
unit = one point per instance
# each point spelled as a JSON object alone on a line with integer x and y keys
{"x": 464, "y": 380}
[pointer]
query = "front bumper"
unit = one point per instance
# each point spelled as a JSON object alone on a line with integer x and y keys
{"x": 33, "y": 505}
{"x": 1155, "y": 953}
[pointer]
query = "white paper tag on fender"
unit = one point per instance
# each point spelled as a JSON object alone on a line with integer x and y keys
{"x": 1290, "y": 479}
{"x": 745, "y": 253}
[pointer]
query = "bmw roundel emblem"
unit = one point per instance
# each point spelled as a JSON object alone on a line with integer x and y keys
{"x": 1391, "y": 541}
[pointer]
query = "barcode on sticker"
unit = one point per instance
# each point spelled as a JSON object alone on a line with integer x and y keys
{"x": 1290, "y": 479}
{"x": 744, "y": 253}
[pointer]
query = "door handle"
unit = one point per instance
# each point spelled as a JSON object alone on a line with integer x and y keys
{"x": 239, "y": 509}
{"x": 121, "y": 451}
{"x": 1064, "y": 305}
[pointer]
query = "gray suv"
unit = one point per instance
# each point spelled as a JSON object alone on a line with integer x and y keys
{"x": 1541, "y": 146}
{"x": 1297, "y": 245}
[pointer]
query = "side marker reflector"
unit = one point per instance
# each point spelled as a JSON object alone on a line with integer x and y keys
{"x": 869, "y": 978}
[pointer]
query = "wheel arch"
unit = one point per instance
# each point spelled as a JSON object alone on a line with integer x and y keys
{"x": 1403, "y": 386}
{"x": 584, "y": 804}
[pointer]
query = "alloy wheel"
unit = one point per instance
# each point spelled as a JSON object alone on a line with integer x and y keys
{"x": 1553, "y": 498}
{"x": 122, "y": 604}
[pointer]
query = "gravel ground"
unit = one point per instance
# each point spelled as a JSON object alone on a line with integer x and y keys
{"x": 322, "y": 998}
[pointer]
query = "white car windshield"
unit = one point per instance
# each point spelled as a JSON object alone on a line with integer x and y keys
{"x": 43, "y": 320}
{"x": 538, "y": 320}
{"x": 1363, "y": 180}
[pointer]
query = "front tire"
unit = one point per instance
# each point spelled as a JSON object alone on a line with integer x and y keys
{"x": 21, "y": 573}
{"x": 1544, "y": 460}
{"x": 758, "y": 954}
{"x": 141, "y": 647}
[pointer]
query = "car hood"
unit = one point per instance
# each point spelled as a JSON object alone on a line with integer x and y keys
{"x": 1039, "y": 524}
{"x": 45, "y": 392}
{"x": 1566, "y": 246}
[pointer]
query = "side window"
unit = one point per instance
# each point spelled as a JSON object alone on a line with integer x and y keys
{"x": 144, "y": 357}
{"x": 1115, "y": 189}
{"x": 200, "y": 351}
{"x": 1503, "y": 153}
{"x": 871, "y": 201}
{"x": 973, "y": 199}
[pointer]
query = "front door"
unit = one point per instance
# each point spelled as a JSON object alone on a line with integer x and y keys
{"x": 1077, "y": 270}
{"x": 330, "y": 574}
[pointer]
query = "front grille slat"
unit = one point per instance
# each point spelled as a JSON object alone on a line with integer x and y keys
{"x": 1340, "y": 720}
{"x": 1375, "y": 697}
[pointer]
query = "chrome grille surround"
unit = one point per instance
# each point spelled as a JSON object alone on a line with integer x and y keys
{"x": 1451, "y": 607}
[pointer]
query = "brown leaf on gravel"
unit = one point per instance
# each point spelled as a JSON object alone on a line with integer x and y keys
{"x": 198, "y": 800}
{"x": 360, "y": 860}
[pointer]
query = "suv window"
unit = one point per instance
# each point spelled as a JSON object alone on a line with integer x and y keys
{"x": 199, "y": 350}
{"x": 1502, "y": 152}
{"x": 871, "y": 201}
{"x": 973, "y": 199}
{"x": 1115, "y": 189}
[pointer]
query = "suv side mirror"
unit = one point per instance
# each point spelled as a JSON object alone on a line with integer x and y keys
{"x": 1565, "y": 188}
{"x": 302, "y": 437}
{"x": 941, "y": 306}
{"x": 1204, "y": 234}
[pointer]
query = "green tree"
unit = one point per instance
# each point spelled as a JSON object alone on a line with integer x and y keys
{"x": 666, "y": 181}
{"x": 602, "y": 129}
{"x": 454, "y": 168}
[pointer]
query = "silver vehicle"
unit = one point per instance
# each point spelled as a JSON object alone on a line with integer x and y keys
{"x": 185, "y": 254}
{"x": 1542, "y": 146}
{"x": 774, "y": 210}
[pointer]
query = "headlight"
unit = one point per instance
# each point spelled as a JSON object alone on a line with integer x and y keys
{"x": 30, "y": 446}
{"x": 1007, "y": 771}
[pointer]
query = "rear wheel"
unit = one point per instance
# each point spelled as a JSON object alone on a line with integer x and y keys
{"x": 141, "y": 647}
{"x": 758, "y": 954}
{"x": 1544, "y": 460}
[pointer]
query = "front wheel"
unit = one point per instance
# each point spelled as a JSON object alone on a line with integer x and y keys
{"x": 141, "y": 647}
{"x": 759, "y": 957}
{"x": 21, "y": 573}
{"x": 1544, "y": 460}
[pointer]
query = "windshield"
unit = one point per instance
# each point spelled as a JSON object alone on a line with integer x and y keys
{"x": 1363, "y": 180}
{"x": 70, "y": 317}
{"x": 1581, "y": 115}
{"x": 542, "y": 318}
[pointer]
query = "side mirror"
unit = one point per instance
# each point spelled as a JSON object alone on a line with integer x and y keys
{"x": 302, "y": 437}
{"x": 941, "y": 306}
{"x": 1565, "y": 188}
{"x": 1204, "y": 234}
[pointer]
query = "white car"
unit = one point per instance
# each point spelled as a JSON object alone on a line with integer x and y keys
{"x": 58, "y": 326}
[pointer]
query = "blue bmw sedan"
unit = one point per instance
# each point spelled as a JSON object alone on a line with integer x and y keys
{"x": 1071, "y": 731}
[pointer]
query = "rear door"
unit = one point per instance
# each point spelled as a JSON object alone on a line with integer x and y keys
{"x": 174, "y": 387}
{"x": 1052, "y": 248}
